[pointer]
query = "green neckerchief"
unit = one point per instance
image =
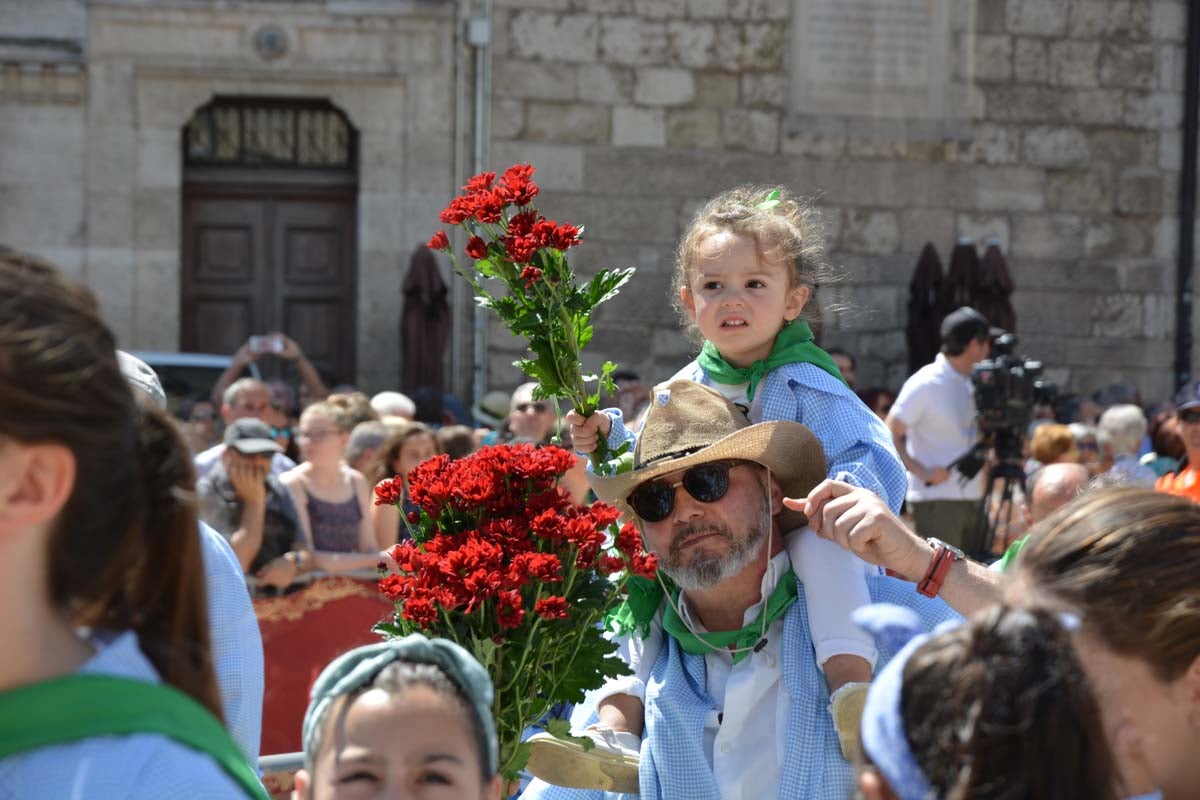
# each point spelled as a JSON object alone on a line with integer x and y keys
{"x": 780, "y": 599}
{"x": 1014, "y": 550}
{"x": 793, "y": 345}
{"x": 76, "y": 707}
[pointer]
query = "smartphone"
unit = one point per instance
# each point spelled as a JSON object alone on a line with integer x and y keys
{"x": 266, "y": 344}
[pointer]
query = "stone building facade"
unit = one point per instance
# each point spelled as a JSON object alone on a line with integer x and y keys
{"x": 1064, "y": 145}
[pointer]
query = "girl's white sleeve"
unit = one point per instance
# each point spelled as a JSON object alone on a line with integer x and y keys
{"x": 640, "y": 654}
{"x": 835, "y": 583}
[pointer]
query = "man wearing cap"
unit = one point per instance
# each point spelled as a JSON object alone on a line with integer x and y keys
{"x": 735, "y": 703}
{"x": 933, "y": 424}
{"x": 1185, "y": 481}
{"x": 251, "y": 508}
{"x": 246, "y": 398}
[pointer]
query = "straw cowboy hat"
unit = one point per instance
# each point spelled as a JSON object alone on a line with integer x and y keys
{"x": 690, "y": 424}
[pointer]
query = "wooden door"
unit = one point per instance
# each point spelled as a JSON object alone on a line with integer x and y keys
{"x": 261, "y": 257}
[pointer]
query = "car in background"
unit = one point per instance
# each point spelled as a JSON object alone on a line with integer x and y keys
{"x": 189, "y": 375}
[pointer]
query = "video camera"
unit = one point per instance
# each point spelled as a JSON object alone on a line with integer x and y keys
{"x": 1007, "y": 387}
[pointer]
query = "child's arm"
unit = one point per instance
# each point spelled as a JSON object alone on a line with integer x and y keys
{"x": 859, "y": 448}
{"x": 620, "y": 701}
{"x": 835, "y": 584}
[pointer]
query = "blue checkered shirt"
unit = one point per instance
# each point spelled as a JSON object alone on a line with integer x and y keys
{"x": 237, "y": 650}
{"x": 674, "y": 763}
{"x": 858, "y": 447}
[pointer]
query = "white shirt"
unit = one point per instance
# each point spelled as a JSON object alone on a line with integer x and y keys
{"x": 743, "y": 736}
{"x": 937, "y": 406}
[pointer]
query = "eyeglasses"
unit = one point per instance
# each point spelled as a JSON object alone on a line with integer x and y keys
{"x": 281, "y": 433}
{"x": 539, "y": 407}
{"x": 653, "y": 501}
{"x": 1190, "y": 415}
{"x": 315, "y": 436}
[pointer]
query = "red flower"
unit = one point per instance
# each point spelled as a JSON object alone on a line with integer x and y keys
{"x": 564, "y": 236}
{"x": 440, "y": 241}
{"x": 479, "y": 183}
{"x": 531, "y": 275}
{"x": 522, "y": 224}
{"x": 393, "y": 586}
{"x": 413, "y": 517}
{"x": 476, "y": 248}
{"x": 457, "y": 212}
{"x": 420, "y": 608}
{"x": 518, "y": 186}
{"x": 553, "y": 607}
{"x": 629, "y": 541}
{"x": 389, "y": 492}
{"x": 610, "y": 565}
{"x": 509, "y": 612}
{"x": 644, "y": 565}
{"x": 488, "y": 205}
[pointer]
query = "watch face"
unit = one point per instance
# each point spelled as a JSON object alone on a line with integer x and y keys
{"x": 936, "y": 543}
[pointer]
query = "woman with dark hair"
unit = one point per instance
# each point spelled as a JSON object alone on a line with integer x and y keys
{"x": 106, "y": 685}
{"x": 995, "y": 708}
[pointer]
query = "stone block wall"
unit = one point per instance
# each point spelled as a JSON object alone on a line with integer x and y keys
{"x": 635, "y": 111}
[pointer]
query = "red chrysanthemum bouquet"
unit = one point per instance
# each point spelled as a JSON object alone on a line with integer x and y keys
{"x": 502, "y": 562}
{"x": 510, "y": 242}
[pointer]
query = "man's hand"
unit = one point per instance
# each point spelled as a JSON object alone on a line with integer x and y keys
{"x": 860, "y": 521}
{"x": 278, "y": 572}
{"x": 249, "y": 479}
{"x": 245, "y": 355}
{"x": 585, "y": 433}
{"x": 289, "y": 350}
{"x": 936, "y": 475}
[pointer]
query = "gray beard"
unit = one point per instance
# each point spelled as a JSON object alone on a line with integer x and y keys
{"x": 707, "y": 570}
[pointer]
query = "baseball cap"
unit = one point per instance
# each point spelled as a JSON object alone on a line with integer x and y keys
{"x": 1188, "y": 396}
{"x": 964, "y": 324}
{"x": 139, "y": 375}
{"x": 250, "y": 436}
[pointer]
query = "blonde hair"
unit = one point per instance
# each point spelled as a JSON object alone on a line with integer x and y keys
{"x": 346, "y": 411}
{"x": 783, "y": 227}
{"x": 1051, "y": 442}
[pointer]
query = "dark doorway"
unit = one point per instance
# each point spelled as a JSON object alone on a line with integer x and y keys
{"x": 269, "y": 220}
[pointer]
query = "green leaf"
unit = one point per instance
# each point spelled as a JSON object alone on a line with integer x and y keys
{"x": 770, "y": 201}
{"x": 561, "y": 729}
{"x": 484, "y": 650}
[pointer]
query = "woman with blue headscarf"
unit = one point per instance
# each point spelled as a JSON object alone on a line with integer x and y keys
{"x": 406, "y": 718}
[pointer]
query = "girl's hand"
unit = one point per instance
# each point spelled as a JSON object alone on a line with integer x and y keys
{"x": 585, "y": 433}
{"x": 278, "y": 572}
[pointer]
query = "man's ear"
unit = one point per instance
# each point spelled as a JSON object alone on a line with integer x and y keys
{"x": 776, "y": 497}
{"x": 38, "y": 482}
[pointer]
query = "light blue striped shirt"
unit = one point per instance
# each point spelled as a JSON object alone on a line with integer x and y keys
{"x": 138, "y": 767}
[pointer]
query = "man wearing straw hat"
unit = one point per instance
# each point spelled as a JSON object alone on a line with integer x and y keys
{"x": 735, "y": 704}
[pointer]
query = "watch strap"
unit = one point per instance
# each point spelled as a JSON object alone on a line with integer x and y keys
{"x": 943, "y": 559}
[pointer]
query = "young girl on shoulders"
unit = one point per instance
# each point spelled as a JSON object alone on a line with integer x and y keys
{"x": 746, "y": 268}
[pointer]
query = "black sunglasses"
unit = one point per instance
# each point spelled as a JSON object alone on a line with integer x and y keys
{"x": 653, "y": 501}
{"x": 539, "y": 407}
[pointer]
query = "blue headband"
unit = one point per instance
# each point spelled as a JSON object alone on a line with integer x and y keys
{"x": 352, "y": 671}
{"x": 883, "y": 737}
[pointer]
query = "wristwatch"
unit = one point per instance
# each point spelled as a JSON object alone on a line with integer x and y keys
{"x": 944, "y": 556}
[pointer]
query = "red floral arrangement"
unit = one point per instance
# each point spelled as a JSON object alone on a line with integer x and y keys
{"x": 502, "y": 562}
{"x": 509, "y": 241}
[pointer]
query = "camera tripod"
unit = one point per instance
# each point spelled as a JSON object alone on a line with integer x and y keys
{"x": 1009, "y": 471}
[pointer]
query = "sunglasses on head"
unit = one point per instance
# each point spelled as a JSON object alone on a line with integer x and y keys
{"x": 538, "y": 407}
{"x": 1189, "y": 415}
{"x": 653, "y": 501}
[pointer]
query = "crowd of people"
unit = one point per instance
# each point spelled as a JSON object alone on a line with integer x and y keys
{"x": 825, "y": 618}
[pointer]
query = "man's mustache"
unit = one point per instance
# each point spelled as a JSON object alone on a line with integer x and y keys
{"x": 695, "y": 530}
